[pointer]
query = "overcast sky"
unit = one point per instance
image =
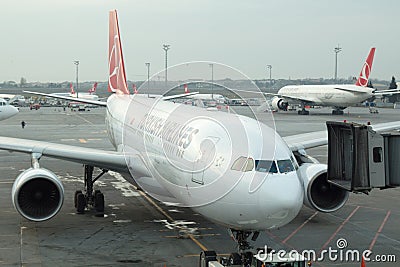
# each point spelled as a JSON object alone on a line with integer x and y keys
{"x": 41, "y": 38}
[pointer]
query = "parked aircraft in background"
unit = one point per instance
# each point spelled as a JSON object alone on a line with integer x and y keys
{"x": 232, "y": 169}
{"x": 7, "y": 110}
{"x": 219, "y": 99}
{"x": 89, "y": 95}
{"x": 14, "y": 99}
{"x": 72, "y": 93}
{"x": 338, "y": 96}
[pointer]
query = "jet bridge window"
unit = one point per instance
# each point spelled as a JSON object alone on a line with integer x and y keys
{"x": 266, "y": 166}
{"x": 285, "y": 166}
{"x": 243, "y": 164}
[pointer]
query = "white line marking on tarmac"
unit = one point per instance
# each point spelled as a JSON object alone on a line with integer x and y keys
{"x": 126, "y": 188}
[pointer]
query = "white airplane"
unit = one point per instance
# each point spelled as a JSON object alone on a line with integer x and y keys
{"x": 18, "y": 99}
{"x": 339, "y": 96}
{"x": 232, "y": 169}
{"x": 7, "y": 110}
{"x": 90, "y": 95}
{"x": 219, "y": 99}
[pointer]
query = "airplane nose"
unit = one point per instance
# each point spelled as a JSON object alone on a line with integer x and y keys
{"x": 282, "y": 198}
{"x": 15, "y": 110}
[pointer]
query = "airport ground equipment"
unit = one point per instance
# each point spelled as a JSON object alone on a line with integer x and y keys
{"x": 259, "y": 259}
{"x": 360, "y": 159}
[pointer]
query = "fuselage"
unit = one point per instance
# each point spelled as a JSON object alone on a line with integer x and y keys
{"x": 232, "y": 169}
{"x": 216, "y": 97}
{"x": 328, "y": 95}
{"x": 7, "y": 110}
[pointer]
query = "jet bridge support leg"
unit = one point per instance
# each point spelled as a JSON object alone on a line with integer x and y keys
{"x": 90, "y": 198}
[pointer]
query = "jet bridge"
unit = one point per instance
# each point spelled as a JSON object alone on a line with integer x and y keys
{"x": 360, "y": 159}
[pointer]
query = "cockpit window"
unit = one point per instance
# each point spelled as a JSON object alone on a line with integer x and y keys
{"x": 294, "y": 161}
{"x": 243, "y": 164}
{"x": 285, "y": 165}
{"x": 266, "y": 166}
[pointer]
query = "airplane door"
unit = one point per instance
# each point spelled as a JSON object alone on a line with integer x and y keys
{"x": 207, "y": 153}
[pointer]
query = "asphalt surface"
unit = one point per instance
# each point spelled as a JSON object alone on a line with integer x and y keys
{"x": 133, "y": 231}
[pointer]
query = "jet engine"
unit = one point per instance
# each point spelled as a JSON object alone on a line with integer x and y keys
{"x": 37, "y": 194}
{"x": 319, "y": 193}
{"x": 279, "y": 103}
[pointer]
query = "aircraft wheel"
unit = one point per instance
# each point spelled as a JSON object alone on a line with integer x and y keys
{"x": 99, "y": 202}
{"x": 235, "y": 259}
{"x": 80, "y": 203}
{"x": 75, "y": 197}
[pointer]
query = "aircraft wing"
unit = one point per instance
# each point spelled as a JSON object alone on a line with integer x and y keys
{"x": 178, "y": 96}
{"x": 299, "y": 99}
{"x": 76, "y": 99}
{"x": 353, "y": 89}
{"x": 320, "y": 138}
{"x": 387, "y": 92}
{"x": 110, "y": 160}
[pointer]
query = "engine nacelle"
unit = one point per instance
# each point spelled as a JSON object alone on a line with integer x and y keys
{"x": 319, "y": 193}
{"x": 37, "y": 194}
{"x": 279, "y": 103}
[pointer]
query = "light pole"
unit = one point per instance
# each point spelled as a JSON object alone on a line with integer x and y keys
{"x": 336, "y": 50}
{"x": 166, "y": 48}
{"x": 148, "y": 76}
{"x": 270, "y": 74}
{"x": 212, "y": 81}
{"x": 76, "y": 62}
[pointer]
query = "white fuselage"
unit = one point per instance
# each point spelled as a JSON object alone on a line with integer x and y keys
{"x": 181, "y": 154}
{"x": 220, "y": 99}
{"x": 327, "y": 95}
{"x": 85, "y": 96}
{"x": 7, "y": 110}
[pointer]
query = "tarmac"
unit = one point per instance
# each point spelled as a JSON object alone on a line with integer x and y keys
{"x": 135, "y": 230}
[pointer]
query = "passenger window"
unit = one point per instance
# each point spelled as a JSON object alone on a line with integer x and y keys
{"x": 285, "y": 166}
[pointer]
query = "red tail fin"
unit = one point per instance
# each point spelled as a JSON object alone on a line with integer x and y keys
{"x": 116, "y": 75}
{"x": 186, "y": 88}
{"x": 71, "y": 89}
{"x": 366, "y": 69}
{"x": 93, "y": 89}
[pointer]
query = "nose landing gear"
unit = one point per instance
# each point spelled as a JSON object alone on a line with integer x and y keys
{"x": 243, "y": 256}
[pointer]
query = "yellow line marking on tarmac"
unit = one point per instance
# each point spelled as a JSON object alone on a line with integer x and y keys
{"x": 196, "y": 255}
{"x": 197, "y": 242}
{"x": 203, "y": 235}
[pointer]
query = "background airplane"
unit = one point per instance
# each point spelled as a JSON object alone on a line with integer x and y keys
{"x": 232, "y": 169}
{"x": 338, "y": 96}
{"x": 7, "y": 110}
{"x": 219, "y": 99}
{"x": 72, "y": 93}
{"x": 14, "y": 99}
